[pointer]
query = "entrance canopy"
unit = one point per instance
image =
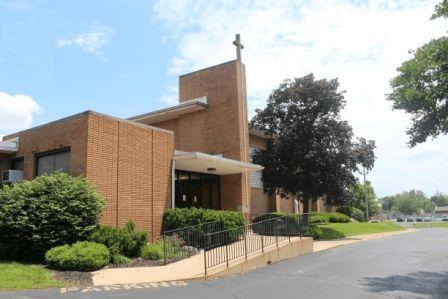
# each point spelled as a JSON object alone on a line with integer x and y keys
{"x": 9, "y": 146}
{"x": 204, "y": 163}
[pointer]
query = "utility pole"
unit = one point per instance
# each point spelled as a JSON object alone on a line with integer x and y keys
{"x": 365, "y": 195}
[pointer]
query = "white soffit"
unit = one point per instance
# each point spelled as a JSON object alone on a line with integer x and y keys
{"x": 171, "y": 112}
{"x": 200, "y": 162}
{"x": 9, "y": 146}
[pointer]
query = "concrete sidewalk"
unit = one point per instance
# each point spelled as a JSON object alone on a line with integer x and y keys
{"x": 193, "y": 267}
{"x": 324, "y": 245}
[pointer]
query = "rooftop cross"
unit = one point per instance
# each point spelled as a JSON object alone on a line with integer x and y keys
{"x": 239, "y": 46}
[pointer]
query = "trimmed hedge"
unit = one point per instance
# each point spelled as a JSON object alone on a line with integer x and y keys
{"x": 81, "y": 256}
{"x": 229, "y": 223}
{"x": 332, "y": 217}
{"x": 48, "y": 211}
{"x": 286, "y": 224}
{"x": 122, "y": 242}
{"x": 315, "y": 231}
{"x": 184, "y": 217}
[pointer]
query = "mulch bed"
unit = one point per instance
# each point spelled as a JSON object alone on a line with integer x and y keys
{"x": 75, "y": 277}
{"x": 138, "y": 262}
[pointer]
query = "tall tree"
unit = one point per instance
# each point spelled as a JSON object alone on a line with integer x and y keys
{"x": 364, "y": 194}
{"x": 314, "y": 152}
{"x": 439, "y": 199}
{"x": 421, "y": 87}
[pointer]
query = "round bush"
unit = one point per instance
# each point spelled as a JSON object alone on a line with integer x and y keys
{"x": 315, "y": 231}
{"x": 46, "y": 212}
{"x": 122, "y": 242}
{"x": 81, "y": 256}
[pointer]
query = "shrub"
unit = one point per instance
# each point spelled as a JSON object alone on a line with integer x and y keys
{"x": 286, "y": 224}
{"x": 183, "y": 217}
{"x": 81, "y": 256}
{"x": 124, "y": 241}
{"x": 48, "y": 211}
{"x": 315, "y": 231}
{"x": 358, "y": 215}
{"x": 153, "y": 251}
{"x": 333, "y": 217}
{"x": 355, "y": 213}
{"x": 319, "y": 218}
{"x": 229, "y": 221}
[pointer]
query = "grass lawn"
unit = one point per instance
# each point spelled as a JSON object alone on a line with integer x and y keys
{"x": 431, "y": 224}
{"x": 342, "y": 230}
{"x": 17, "y": 276}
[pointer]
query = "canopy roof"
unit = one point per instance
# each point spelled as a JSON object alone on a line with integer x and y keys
{"x": 9, "y": 146}
{"x": 171, "y": 112}
{"x": 213, "y": 164}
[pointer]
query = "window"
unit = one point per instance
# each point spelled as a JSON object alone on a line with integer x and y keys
{"x": 252, "y": 151}
{"x": 255, "y": 179}
{"x": 17, "y": 164}
{"x": 51, "y": 162}
{"x": 255, "y": 176}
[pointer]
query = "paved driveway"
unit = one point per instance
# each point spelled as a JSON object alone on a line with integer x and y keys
{"x": 413, "y": 265}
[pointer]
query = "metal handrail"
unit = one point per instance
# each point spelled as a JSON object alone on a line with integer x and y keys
{"x": 226, "y": 245}
{"x": 184, "y": 242}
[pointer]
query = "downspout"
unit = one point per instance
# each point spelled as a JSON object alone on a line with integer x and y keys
{"x": 173, "y": 185}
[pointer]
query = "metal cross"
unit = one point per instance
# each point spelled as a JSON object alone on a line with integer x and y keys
{"x": 239, "y": 46}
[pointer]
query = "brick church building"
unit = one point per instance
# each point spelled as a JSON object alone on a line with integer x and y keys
{"x": 194, "y": 154}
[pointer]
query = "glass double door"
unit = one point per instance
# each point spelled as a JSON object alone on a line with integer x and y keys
{"x": 197, "y": 190}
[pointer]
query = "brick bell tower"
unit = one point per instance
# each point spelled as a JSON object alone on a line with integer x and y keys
{"x": 221, "y": 129}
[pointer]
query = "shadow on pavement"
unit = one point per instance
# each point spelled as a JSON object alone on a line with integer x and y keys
{"x": 432, "y": 284}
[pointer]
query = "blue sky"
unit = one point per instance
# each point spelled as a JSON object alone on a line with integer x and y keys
{"x": 123, "y": 57}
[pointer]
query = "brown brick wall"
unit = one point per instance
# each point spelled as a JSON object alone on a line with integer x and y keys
{"x": 133, "y": 171}
{"x": 261, "y": 203}
{"x": 68, "y": 132}
{"x": 129, "y": 163}
{"x": 219, "y": 128}
{"x": 257, "y": 142}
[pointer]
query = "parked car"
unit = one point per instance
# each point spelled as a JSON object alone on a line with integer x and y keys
{"x": 427, "y": 219}
{"x": 374, "y": 221}
{"x": 409, "y": 220}
{"x": 419, "y": 219}
{"x": 444, "y": 218}
{"x": 399, "y": 219}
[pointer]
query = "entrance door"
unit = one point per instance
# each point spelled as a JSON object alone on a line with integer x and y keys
{"x": 197, "y": 190}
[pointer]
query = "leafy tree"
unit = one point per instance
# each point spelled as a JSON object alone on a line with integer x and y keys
{"x": 412, "y": 202}
{"x": 387, "y": 203}
{"x": 361, "y": 192}
{"x": 439, "y": 199}
{"x": 421, "y": 87}
{"x": 313, "y": 152}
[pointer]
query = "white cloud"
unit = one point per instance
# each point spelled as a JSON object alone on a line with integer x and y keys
{"x": 16, "y": 112}
{"x": 92, "y": 40}
{"x": 360, "y": 42}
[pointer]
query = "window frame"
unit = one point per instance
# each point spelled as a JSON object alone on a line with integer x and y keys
{"x": 49, "y": 153}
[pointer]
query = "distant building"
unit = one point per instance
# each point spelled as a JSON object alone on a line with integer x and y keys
{"x": 441, "y": 210}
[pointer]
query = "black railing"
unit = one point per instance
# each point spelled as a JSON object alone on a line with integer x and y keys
{"x": 185, "y": 242}
{"x": 223, "y": 246}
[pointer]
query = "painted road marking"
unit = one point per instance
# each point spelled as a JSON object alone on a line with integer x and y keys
{"x": 119, "y": 287}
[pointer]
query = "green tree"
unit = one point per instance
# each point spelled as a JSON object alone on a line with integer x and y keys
{"x": 439, "y": 199}
{"x": 412, "y": 202}
{"x": 421, "y": 87}
{"x": 314, "y": 152}
{"x": 361, "y": 194}
{"x": 387, "y": 203}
